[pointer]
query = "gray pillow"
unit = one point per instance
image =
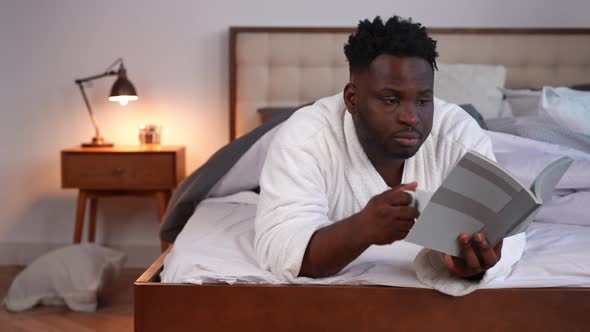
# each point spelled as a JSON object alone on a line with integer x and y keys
{"x": 471, "y": 110}
{"x": 268, "y": 113}
{"x": 582, "y": 87}
{"x": 523, "y": 102}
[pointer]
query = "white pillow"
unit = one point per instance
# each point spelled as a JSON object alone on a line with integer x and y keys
{"x": 569, "y": 108}
{"x": 71, "y": 276}
{"x": 523, "y": 102}
{"x": 471, "y": 84}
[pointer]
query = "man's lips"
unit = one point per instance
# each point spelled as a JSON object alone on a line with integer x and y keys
{"x": 407, "y": 139}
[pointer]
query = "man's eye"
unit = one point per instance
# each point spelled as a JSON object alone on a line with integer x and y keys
{"x": 391, "y": 101}
{"x": 423, "y": 102}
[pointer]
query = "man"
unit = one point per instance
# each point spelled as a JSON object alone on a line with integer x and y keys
{"x": 334, "y": 178}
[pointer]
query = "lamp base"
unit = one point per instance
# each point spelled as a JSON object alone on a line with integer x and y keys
{"x": 97, "y": 142}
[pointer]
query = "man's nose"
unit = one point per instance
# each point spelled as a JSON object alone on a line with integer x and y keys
{"x": 407, "y": 115}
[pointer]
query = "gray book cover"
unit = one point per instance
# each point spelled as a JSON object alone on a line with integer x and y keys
{"x": 479, "y": 195}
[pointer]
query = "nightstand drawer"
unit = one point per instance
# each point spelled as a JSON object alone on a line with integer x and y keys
{"x": 119, "y": 171}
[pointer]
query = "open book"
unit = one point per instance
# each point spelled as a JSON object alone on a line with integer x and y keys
{"x": 479, "y": 195}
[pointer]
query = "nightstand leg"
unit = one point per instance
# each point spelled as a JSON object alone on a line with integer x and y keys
{"x": 92, "y": 225}
{"x": 163, "y": 198}
{"x": 80, "y": 211}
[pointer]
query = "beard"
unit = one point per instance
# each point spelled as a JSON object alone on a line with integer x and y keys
{"x": 369, "y": 140}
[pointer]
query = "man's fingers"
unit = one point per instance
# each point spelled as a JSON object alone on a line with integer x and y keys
{"x": 498, "y": 249}
{"x": 398, "y": 213}
{"x": 397, "y": 224}
{"x": 397, "y": 196}
{"x": 478, "y": 256}
{"x": 408, "y": 186}
{"x": 405, "y": 212}
{"x": 486, "y": 252}
{"x": 468, "y": 252}
{"x": 451, "y": 265}
{"x": 405, "y": 225}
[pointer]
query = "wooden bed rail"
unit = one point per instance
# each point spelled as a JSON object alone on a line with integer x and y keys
{"x": 184, "y": 307}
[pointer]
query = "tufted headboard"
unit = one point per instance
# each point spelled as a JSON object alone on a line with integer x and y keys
{"x": 286, "y": 67}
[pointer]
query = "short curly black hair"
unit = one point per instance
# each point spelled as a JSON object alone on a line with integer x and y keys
{"x": 397, "y": 37}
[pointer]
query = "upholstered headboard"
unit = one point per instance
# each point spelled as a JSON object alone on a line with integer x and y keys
{"x": 285, "y": 67}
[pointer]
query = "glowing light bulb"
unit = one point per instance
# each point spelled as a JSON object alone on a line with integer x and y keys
{"x": 123, "y": 100}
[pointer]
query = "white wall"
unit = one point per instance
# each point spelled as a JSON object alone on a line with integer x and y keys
{"x": 176, "y": 55}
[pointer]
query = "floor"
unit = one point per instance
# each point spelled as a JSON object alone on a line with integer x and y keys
{"x": 115, "y": 312}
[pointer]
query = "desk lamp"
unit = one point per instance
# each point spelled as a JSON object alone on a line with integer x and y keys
{"x": 122, "y": 91}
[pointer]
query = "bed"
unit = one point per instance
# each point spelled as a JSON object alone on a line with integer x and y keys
{"x": 270, "y": 57}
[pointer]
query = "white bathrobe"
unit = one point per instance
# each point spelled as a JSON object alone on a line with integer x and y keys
{"x": 317, "y": 173}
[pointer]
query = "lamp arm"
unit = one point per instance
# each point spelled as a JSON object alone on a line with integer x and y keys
{"x": 81, "y": 82}
{"x": 108, "y": 72}
{"x": 94, "y": 123}
{"x": 118, "y": 61}
{"x": 93, "y": 77}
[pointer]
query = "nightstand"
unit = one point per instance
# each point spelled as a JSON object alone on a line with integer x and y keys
{"x": 120, "y": 170}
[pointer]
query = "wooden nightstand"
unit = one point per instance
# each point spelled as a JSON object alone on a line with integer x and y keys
{"x": 117, "y": 171}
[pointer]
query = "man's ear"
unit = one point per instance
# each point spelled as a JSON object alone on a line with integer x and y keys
{"x": 351, "y": 98}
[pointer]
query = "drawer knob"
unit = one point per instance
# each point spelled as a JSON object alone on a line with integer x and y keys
{"x": 119, "y": 171}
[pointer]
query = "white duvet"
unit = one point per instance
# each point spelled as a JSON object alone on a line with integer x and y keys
{"x": 216, "y": 245}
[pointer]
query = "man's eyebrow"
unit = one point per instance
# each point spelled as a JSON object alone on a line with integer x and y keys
{"x": 391, "y": 90}
{"x": 422, "y": 92}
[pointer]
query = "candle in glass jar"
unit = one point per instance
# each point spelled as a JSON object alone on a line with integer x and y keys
{"x": 150, "y": 134}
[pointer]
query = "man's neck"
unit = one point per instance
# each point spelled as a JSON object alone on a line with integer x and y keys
{"x": 390, "y": 169}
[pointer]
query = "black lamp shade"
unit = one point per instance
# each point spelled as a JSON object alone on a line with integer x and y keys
{"x": 123, "y": 87}
{"x": 122, "y": 91}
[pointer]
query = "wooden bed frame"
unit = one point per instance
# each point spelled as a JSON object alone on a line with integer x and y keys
{"x": 179, "y": 307}
{"x": 182, "y": 307}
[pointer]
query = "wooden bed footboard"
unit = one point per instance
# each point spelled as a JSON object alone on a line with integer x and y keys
{"x": 183, "y": 307}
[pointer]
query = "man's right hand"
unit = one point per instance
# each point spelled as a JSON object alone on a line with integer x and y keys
{"x": 388, "y": 216}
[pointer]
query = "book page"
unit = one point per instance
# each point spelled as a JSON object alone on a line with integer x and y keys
{"x": 546, "y": 181}
{"x": 542, "y": 187}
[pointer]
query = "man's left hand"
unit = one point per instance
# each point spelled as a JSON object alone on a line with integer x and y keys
{"x": 478, "y": 256}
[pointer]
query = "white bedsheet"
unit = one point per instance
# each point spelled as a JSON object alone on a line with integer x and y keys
{"x": 216, "y": 244}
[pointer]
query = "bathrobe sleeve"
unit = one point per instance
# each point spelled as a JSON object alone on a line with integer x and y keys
{"x": 293, "y": 205}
